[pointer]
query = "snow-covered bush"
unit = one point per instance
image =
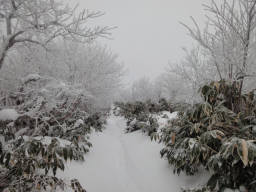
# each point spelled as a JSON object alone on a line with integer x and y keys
{"x": 49, "y": 124}
{"x": 131, "y": 109}
{"x": 217, "y": 134}
{"x": 148, "y": 125}
{"x": 142, "y": 115}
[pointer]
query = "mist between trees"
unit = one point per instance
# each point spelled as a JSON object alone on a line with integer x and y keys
{"x": 93, "y": 67}
{"x": 58, "y": 81}
{"x": 224, "y": 50}
{"x": 57, "y": 85}
{"x": 217, "y": 77}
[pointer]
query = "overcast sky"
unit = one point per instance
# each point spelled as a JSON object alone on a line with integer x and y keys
{"x": 148, "y": 34}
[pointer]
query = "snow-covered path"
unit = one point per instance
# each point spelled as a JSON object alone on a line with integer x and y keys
{"x": 120, "y": 162}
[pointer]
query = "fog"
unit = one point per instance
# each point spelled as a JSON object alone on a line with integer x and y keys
{"x": 148, "y": 33}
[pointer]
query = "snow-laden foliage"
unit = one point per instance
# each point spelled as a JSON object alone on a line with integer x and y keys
{"x": 217, "y": 134}
{"x": 143, "y": 115}
{"x": 49, "y": 124}
{"x": 92, "y": 67}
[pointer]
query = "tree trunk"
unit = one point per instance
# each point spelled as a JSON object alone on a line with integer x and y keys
{"x": 6, "y": 43}
{"x": 2, "y": 56}
{"x": 251, "y": 16}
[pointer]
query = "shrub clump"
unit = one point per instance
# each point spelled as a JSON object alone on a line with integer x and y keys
{"x": 142, "y": 115}
{"x": 52, "y": 125}
{"x": 218, "y": 134}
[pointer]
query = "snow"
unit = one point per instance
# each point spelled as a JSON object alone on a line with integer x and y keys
{"x": 46, "y": 140}
{"x": 78, "y": 123}
{"x": 31, "y": 77}
{"x": 164, "y": 117}
{"x": 120, "y": 162}
{"x": 8, "y": 114}
{"x": 170, "y": 115}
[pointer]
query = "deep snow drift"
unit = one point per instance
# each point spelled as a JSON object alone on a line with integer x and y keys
{"x": 120, "y": 162}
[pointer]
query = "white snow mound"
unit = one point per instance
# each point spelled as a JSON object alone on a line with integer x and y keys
{"x": 8, "y": 114}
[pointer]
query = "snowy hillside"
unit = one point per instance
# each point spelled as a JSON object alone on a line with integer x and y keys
{"x": 120, "y": 162}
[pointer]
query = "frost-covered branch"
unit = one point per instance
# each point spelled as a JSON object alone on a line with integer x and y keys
{"x": 42, "y": 21}
{"x": 228, "y": 37}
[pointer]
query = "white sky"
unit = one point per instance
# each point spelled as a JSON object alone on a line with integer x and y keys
{"x": 149, "y": 34}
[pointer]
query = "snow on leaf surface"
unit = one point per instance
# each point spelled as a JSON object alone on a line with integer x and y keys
{"x": 31, "y": 77}
{"x": 47, "y": 140}
{"x": 164, "y": 117}
{"x": 8, "y": 114}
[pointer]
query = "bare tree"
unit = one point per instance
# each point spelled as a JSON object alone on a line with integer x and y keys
{"x": 191, "y": 73}
{"x": 194, "y": 68}
{"x": 91, "y": 67}
{"x": 96, "y": 68}
{"x": 175, "y": 86}
{"x": 41, "y": 21}
{"x": 142, "y": 90}
{"x": 229, "y": 38}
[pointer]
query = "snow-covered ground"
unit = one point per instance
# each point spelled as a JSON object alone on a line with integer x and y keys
{"x": 120, "y": 162}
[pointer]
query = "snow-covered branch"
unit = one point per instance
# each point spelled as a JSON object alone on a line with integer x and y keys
{"x": 42, "y": 21}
